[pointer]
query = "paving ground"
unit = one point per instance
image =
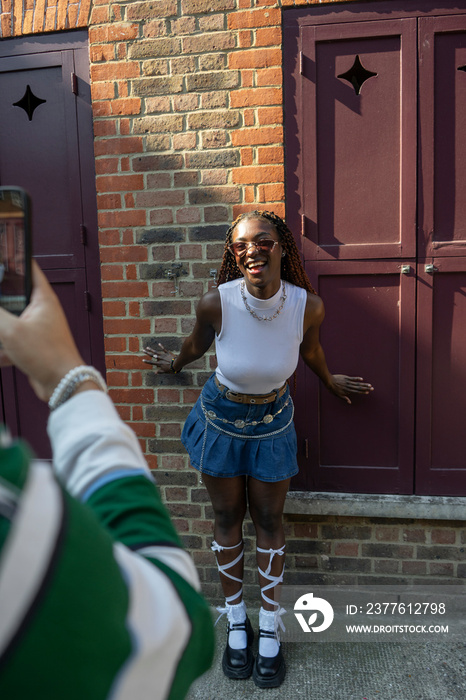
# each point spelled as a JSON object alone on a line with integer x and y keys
{"x": 350, "y": 671}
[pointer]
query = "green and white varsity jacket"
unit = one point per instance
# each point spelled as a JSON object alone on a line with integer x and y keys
{"x": 97, "y": 598}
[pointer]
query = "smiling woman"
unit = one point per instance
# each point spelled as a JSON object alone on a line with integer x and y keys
{"x": 240, "y": 433}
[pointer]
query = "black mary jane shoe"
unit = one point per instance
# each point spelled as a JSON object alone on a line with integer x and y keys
{"x": 238, "y": 663}
{"x": 269, "y": 672}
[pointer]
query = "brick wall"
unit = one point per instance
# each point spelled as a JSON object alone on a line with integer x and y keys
{"x": 187, "y": 104}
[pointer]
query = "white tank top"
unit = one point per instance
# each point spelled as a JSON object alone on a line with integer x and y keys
{"x": 255, "y": 357}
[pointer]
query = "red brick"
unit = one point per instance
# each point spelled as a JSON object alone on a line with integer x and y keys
{"x": 104, "y": 127}
{"x": 346, "y": 549}
{"x": 124, "y": 254}
{"x": 165, "y": 325}
{"x": 103, "y": 91}
{"x": 307, "y": 530}
{"x": 258, "y": 174}
{"x": 387, "y": 534}
{"x": 443, "y": 536}
{"x": 118, "y": 146}
{"x": 114, "y": 345}
{"x": 169, "y": 430}
{"x": 143, "y": 429}
{"x": 138, "y": 396}
{"x": 257, "y": 136}
{"x": 270, "y": 115}
{"x": 117, "y": 290}
{"x": 119, "y": 183}
{"x": 270, "y": 154}
{"x": 161, "y": 217}
{"x": 415, "y": 568}
{"x": 414, "y": 535}
{"x": 124, "y": 326}
{"x": 123, "y": 31}
{"x": 256, "y": 96}
{"x": 441, "y": 569}
{"x": 117, "y": 379}
{"x": 271, "y": 36}
{"x": 101, "y": 109}
{"x": 245, "y": 38}
{"x": 269, "y": 76}
{"x": 133, "y": 345}
{"x": 108, "y": 201}
{"x": 114, "y": 308}
{"x": 115, "y": 70}
{"x": 254, "y": 18}
{"x": 255, "y": 58}
{"x": 112, "y": 272}
{"x": 127, "y": 362}
{"x": 122, "y": 218}
{"x": 271, "y": 193}
{"x": 105, "y": 166}
{"x": 124, "y": 412}
{"x": 128, "y": 105}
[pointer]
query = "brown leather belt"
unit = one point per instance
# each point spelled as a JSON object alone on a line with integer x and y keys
{"x": 251, "y": 398}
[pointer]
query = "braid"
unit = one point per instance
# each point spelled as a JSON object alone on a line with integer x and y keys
{"x": 292, "y": 267}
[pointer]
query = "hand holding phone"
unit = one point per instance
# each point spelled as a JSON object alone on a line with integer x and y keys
{"x": 15, "y": 249}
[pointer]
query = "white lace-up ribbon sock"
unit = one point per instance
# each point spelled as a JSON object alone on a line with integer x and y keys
{"x": 270, "y": 620}
{"x": 237, "y": 639}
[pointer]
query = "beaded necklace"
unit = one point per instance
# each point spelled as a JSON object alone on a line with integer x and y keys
{"x": 253, "y": 313}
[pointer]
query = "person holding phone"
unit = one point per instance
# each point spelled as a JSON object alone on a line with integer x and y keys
{"x": 263, "y": 315}
{"x": 97, "y": 597}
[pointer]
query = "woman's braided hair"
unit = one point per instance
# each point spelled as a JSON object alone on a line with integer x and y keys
{"x": 292, "y": 268}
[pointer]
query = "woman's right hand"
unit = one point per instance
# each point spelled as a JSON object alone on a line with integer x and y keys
{"x": 162, "y": 359}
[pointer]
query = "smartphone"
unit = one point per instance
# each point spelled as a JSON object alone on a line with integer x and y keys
{"x": 15, "y": 249}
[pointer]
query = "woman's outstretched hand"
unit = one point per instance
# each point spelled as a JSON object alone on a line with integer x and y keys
{"x": 162, "y": 359}
{"x": 342, "y": 385}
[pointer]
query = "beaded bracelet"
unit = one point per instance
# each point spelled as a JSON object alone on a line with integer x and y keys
{"x": 175, "y": 371}
{"x": 70, "y": 382}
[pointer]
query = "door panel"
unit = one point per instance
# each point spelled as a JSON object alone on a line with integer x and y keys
{"x": 41, "y": 153}
{"x": 28, "y": 416}
{"x": 357, "y": 134}
{"x": 441, "y": 382}
{"x": 442, "y": 85}
{"x": 368, "y": 331}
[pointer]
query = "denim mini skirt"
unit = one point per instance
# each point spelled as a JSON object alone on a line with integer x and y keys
{"x": 224, "y": 438}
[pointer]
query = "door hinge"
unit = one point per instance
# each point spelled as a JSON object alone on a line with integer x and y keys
{"x": 303, "y": 225}
{"x": 83, "y": 232}
{"x": 301, "y": 63}
{"x": 74, "y": 83}
{"x": 306, "y": 448}
{"x": 87, "y": 301}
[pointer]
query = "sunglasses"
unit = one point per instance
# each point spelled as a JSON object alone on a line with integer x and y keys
{"x": 263, "y": 245}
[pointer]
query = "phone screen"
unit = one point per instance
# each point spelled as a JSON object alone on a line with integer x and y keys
{"x": 15, "y": 249}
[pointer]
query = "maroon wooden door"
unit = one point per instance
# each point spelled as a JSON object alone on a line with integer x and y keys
{"x": 46, "y": 146}
{"x": 375, "y": 117}
{"x": 441, "y": 386}
{"x": 441, "y": 376}
{"x": 357, "y": 126}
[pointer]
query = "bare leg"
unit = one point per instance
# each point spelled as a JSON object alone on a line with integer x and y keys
{"x": 266, "y": 502}
{"x": 228, "y": 497}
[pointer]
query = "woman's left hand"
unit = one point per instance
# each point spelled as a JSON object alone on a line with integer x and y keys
{"x": 342, "y": 385}
{"x": 162, "y": 359}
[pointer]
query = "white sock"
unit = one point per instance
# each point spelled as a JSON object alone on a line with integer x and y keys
{"x": 237, "y": 639}
{"x": 268, "y": 646}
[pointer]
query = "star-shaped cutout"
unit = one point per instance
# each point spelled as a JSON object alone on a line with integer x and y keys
{"x": 357, "y": 75}
{"x": 29, "y": 102}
